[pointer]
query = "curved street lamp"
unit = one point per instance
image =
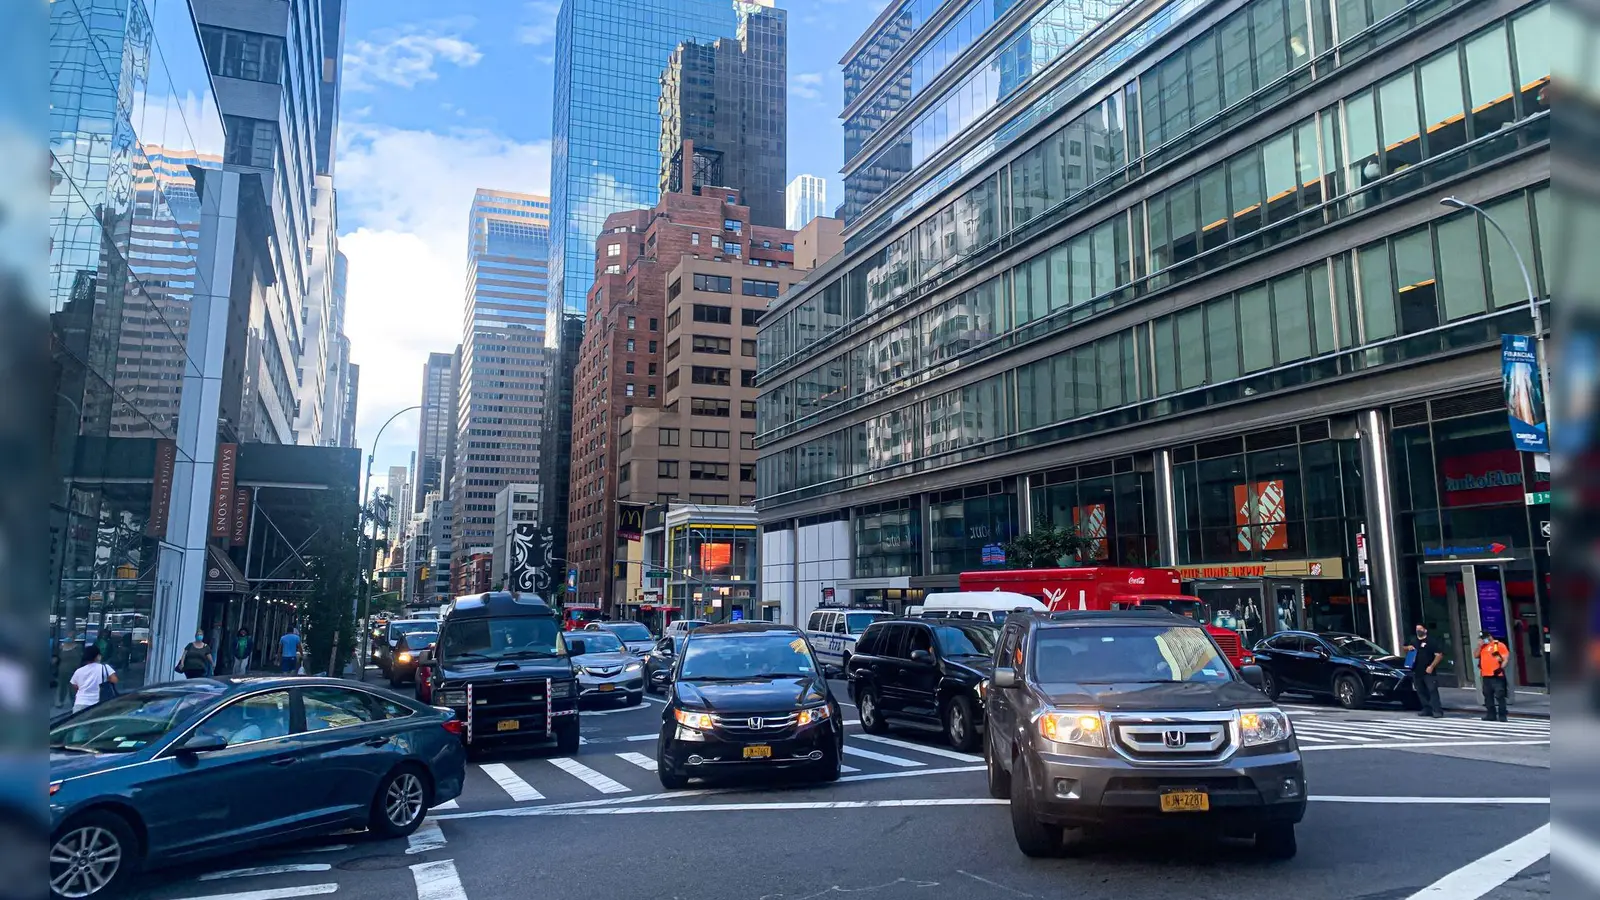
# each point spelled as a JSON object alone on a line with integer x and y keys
{"x": 365, "y": 560}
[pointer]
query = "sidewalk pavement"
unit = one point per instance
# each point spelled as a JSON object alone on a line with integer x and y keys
{"x": 1527, "y": 703}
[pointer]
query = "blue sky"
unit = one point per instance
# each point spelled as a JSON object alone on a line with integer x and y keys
{"x": 443, "y": 96}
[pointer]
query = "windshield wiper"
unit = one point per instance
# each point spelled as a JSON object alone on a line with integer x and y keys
{"x": 73, "y": 748}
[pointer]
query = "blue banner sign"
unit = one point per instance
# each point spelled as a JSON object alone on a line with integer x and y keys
{"x": 1519, "y": 377}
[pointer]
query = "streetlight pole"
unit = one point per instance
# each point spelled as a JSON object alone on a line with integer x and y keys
{"x": 364, "y": 646}
{"x": 1533, "y": 303}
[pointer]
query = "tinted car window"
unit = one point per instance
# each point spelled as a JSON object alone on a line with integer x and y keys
{"x": 328, "y": 707}
{"x": 918, "y": 637}
{"x": 868, "y": 642}
{"x": 1127, "y": 654}
{"x": 965, "y": 640}
{"x": 487, "y": 639}
{"x": 258, "y": 717}
{"x": 892, "y": 640}
{"x": 815, "y": 623}
{"x": 745, "y": 656}
{"x": 129, "y": 722}
{"x": 629, "y": 631}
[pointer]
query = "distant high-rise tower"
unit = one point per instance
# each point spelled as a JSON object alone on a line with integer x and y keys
{"x": 730, "y": 97}
{"x": 500, "y": 385}
{"x": 438, "y": 427}
{"x": 805, "y": 199}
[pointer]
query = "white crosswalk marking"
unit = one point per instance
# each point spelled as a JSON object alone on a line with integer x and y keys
{"x": 848, "y": 769}
{"x": 518, "y": 789}
{"x": 640, "y": 760}
{"x": 880, "y": 757}
{"x": 588, "y": 776}
{"x": 438, "y": 881}
{"x": 1332, "y": 730}
{"x": 448, "y": 804}
{"x": 254, "y": 871}
{"x": 921, "y": 748}
{"x": 427, "y": 837}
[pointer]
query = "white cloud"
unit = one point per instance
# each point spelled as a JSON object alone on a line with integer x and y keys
{"x": 403, "y": 203}
{"x": 404, "y": 59}
{"x": 539, "y": 27}
{"x": 807, "y": 85}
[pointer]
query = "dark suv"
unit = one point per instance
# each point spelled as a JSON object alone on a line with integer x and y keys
{"x": 927, "y": 673}
{"x": 1115, "y": 718}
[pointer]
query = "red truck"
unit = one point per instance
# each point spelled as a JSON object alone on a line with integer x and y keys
{"x": 1107, "y": 588}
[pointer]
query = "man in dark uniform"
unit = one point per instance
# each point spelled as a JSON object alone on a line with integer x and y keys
{"x": 1424, "y": 668}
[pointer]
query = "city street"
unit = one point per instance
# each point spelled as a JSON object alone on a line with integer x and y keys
{"x": 1399, "y": 803}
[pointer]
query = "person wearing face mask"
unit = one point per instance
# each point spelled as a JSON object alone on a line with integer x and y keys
{"x": 1424, "y": 668}
{"x": 196, "y": 660}
{"x": 1492, "y": 656}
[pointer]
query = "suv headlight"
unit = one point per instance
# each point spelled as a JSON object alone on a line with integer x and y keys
{"x": 1263, "y": 726}
{"x": 813, "y": 714}
{"x": 696, "y": 720}
{"x": 1078, "y": 728}
{"x": 561, "y": 689}
{"x": 452, "y": 698}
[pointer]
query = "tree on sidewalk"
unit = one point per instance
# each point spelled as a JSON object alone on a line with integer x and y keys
{"x": 326, "y": 607}
{"x": 1047, "y": 546}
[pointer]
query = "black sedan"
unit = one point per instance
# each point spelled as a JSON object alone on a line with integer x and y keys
{"x": 403, "y": 668}
{"x": 181, "y": 771}
{"x": 1347, "y": 668}
{"x": 748, "y": 698}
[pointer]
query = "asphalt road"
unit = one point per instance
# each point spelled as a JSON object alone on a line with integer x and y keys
{"x": 1399, "y": 804}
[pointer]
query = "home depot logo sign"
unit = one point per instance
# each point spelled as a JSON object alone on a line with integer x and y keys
{"x": 1190, "y": 572}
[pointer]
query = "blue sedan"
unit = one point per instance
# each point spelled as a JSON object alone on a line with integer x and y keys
{"x": 181, "y": 771}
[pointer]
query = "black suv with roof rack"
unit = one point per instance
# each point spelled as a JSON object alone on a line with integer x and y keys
{"x": 502, "y": 664}
{"x": 1135, "y": 718}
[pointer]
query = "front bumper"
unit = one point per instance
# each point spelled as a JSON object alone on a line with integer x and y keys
{"x": 1246, "y": 791}
{"x": 1389, "y": 688}
{"x": 705, "y": 754}
{"x": 595, "y": 687}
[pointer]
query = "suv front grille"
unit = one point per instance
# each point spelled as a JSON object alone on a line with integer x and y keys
{"x": 1175, "y": 738}
{"x": 755, "y": 725}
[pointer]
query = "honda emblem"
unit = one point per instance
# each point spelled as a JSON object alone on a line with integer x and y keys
{"x": 1175, "y": 740}
{"x": 754, "y": 722}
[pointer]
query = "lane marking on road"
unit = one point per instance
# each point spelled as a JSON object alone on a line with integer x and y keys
{"x": 611, "y": 712}
{"x": 994, "y": 884}
{"x": 845, "y": 768}
{"x": 1483, "y": 875}
{"x": 1408, "y": 746}
{"x": 921, "y": 748}
{"x": 304, "y": 890}
{"x": 880, "y": 757}
{"x": 426, "y": 837}
{"x": 438, "y": 881}
{"x": 1312, "y": 738}
{"x": 640, "y": 760}
{"x": 1439, "y": 801}
{"x": 253, "y": 871}
{"x": 449, "y": 804}
{"x": 599, "y": 782}
{"x": 509, "y": 781}
{"x": 780, "y": 806}
{"x": 642, "y": 737}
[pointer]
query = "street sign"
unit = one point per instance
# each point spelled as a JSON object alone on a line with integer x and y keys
{"x": 1535, "y": 498}
{"x": 390, "y": 573}
{"x": 656, "y": 574}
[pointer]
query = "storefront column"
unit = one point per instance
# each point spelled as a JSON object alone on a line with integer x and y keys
{"x": 1024, "y": 504}
{"x": 1383, "y": 553}
{"x": 1166, "y": 510}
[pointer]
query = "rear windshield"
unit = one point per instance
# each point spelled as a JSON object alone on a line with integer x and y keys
{"x": 598, "y": 642}
{"x": 1127, "y": 654}
{"x": 398, "y": 628}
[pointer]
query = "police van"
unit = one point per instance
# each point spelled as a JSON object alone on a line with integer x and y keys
{"x": 832, "y": 633}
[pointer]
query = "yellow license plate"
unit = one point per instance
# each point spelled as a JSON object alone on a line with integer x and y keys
{"x": 507, "y": 725}
{"x": 1185, "y": 801}
{"x": 760, "y": 751}
{"x": 607, "y": 687}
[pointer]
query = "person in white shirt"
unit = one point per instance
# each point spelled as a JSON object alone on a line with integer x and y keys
{"x": 87, "y": 679}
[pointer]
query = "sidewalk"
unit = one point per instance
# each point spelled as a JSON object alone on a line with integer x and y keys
{"x": 1528, "y": 703}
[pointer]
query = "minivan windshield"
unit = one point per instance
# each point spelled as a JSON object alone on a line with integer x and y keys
{"x": 746, "y": 657}
{"x": 1127, "y": 654}
{"x": 857, "y": 622}
{"x": 513, "y": 637}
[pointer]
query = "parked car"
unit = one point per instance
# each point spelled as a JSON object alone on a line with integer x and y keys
{"x": 658, "y": 665}
{"x": 190, "y": 769}
{"x": 403, "y": 667}
{"x": 1123, "y": 718}
{"x": 748, "y": 697}
{"x": 1347, "y": 668}
{"x": 606, "y": 670}
{"x": 926, "y": 673}
{"x": 633, "y": 635}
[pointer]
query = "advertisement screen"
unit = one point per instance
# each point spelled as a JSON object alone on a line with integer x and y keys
{"x": 715, "y": 556}
{"x": 1264, "y": 506}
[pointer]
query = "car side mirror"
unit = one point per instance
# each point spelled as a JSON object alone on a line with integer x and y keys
{"x": 1321, "y": 651}
{"x": 576, "y": 648}
{"x": 201, "y": 742}
{"x": 1005, "y": 678}
{"x": 1252, "y": 676}
{"x": 921, "y": 656}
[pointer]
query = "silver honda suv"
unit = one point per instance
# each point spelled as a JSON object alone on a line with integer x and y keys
{"x": 1135, "y": 718}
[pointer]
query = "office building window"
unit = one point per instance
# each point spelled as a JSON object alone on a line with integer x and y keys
{"x": 753, "y": 288}
{"x": 748, "y": 348}
{"x": 717, "y": 284}
{"x": 250, "y": 142}
{"x": 655, "y": 324}
{"x": 710, "y": 375}
{"x": 613, "y": 250}
{"x": 714, "y": 315}
{"x": 668, "y": 437}
{"x": 627, "y": 390}
{"x": 708, "y": 471}
{"x": 716, "y": 345}
{"x": 632, "y": 323}
{"x": 749, "y": 317}
{"x": 701, "y": 406}
{"x": 667, "y": 468}
{"x": 747, "y": 409}
{"x": 243, "y": 54}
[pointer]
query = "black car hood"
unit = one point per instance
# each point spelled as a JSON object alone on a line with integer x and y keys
{"x": 1393, "y": 662}
{"x": 517, "y": 669}
{"x": 1184, "y": 696}
{"x": 981, "y": 666}
{"x": 753, "y": 696}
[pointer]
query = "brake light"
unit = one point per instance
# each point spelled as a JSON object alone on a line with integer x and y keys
{"x": 454, "y": 726}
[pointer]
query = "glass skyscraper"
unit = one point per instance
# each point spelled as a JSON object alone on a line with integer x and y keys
{"x": 609, "y": 58}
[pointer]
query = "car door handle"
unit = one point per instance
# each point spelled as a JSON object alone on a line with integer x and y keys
{"x": 376, "y": 742}
{"x": 285, "y": 761}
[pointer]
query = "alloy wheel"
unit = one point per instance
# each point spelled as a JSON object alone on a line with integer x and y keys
{"x": 868, "y": 709}
{"x": 403, "y": 801}
{"x": 958, "y": 724}
{"x": 84, "y": 861}
{"x": 1347, "y": 693}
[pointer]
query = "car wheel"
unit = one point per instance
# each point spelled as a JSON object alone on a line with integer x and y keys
{"x": 671, "y": 778}
{"x": 999, "y": 779}
{"x": 1347, "y": 690}
{"x": 1034, "y": 838}
{"x": 401, "y": 803}
{"x": 960, "y": 724}
{"x": 871, "y": 717}
{"x": 1269, "y": 685}
{"x": 1278, "y": 843}
{"x": 567, "y": 738}
{"x": 92, "y": 855}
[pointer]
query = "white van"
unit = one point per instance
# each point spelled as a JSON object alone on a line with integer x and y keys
{"x": 832, "y": 633}
{"x": 983, "y": 606}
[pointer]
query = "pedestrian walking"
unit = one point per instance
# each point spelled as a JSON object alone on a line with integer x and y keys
{"x": 197, "y": 659}
{"x": 1425, "y": 660}
{"x": 289, "y": 649}
{"x": 243, "y": 649}
{"x": 90, "y": 678}
{"x": 1492, "y": 656}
